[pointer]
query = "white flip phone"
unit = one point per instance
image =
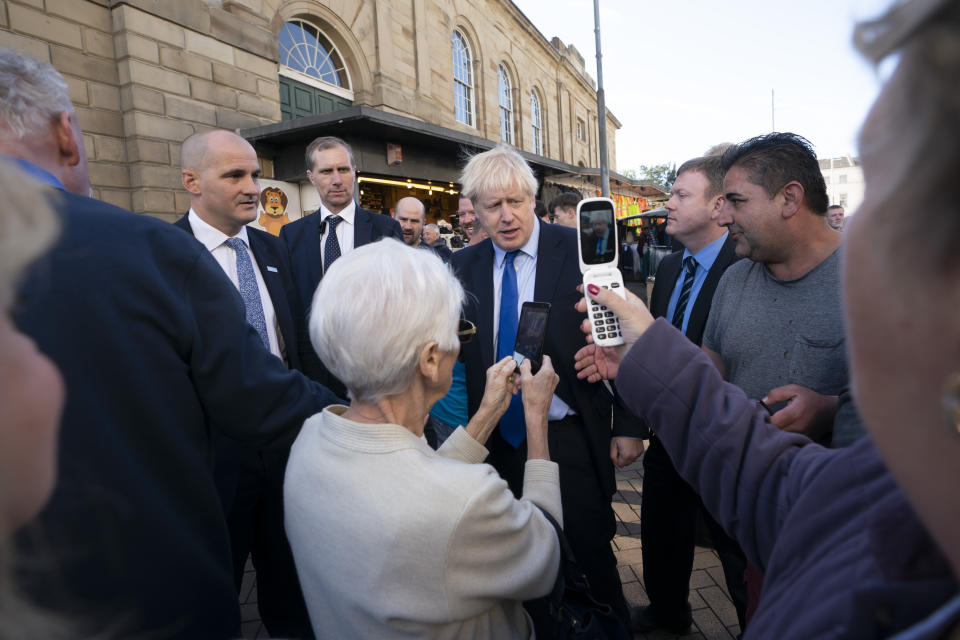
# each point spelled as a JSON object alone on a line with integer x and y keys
{"x": 599, "y": 252}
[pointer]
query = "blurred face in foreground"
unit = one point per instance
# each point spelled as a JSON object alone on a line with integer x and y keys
{"x": 905, "y": 347}
{"x": 31, "y": 400}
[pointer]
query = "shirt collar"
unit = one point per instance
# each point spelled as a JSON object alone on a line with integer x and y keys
{"x": 211, "y": 237}
{"x": 37, "y": 173}
{"x": 347, "y": 213}
{"x": 708, "y": 255}
{"x": 530, "y": 248}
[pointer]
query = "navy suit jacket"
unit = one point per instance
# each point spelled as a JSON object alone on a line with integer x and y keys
{"x": 667, "y": 274}
{"x": 152, "y": 340}
{"x": 302, "y": 238}
{"x": 557, "y": 277}
{"x": 270, "y": 252}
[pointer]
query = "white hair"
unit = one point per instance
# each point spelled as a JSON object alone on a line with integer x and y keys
{"x": 31, "y": 94}
{"x": 375, "y": 310}
{"x": 498, "y": 169}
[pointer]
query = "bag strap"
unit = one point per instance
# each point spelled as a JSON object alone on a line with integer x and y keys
{"x": 569, "y": 570}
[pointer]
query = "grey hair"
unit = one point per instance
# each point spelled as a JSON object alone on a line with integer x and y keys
{"x": 432, "y": 227}
{"x": 391, "y": 300}
{"x": 498, "y": 169}
{"x": 31, "y": 94}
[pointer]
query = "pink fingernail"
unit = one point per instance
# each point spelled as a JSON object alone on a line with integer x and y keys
{"x": 593, "y": 289}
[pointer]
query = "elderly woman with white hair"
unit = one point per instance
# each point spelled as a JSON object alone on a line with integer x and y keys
{"x": 391, "y": 538}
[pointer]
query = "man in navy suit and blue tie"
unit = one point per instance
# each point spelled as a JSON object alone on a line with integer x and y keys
{"x": 337, "y": 227}
{"x": 157, "y": 354}
{"x": 220, "y": 171}
{"x": 526, "y": 260}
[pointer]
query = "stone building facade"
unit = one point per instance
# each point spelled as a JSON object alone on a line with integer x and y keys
{"x": 844, "y": 178}
{"x": 145, "y": 74}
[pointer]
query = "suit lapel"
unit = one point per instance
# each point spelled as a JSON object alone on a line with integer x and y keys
{"x": 550, "y": 259}
{"x": 311, "y": 245}
{"x": 362, "y": 228}
{"x": 482, "y": 284}
{"x": 701, "y": 307}
{"x": 670, "y": 272}
{"x": 265, "y": 261}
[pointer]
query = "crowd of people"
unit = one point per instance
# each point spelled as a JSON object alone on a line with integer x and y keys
{"x": 341, "y": 402}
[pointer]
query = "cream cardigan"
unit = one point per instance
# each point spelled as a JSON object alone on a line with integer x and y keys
{"x": 395, "y": 540}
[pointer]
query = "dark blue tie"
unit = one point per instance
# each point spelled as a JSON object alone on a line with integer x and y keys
{"x": 513, "y": 429}
{"x": 690, "y": 264}
{"x": 331, "y": 248}
{"x": 249, "y": 291}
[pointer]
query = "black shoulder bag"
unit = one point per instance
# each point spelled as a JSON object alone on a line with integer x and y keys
{"x": 569, "y": 611}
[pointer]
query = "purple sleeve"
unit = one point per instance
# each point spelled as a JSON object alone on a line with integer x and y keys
{"x": 748, "y": 472}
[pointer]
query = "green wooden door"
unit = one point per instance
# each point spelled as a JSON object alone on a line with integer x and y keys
{"x": 298, "y": 100}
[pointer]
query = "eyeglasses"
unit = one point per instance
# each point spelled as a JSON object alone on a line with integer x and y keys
{"x": 466, "y": 331}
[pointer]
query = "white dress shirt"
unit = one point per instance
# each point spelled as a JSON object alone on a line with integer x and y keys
{"x": 525, "y": 263}
{"x": 345, "y": 229}
{"x": 213, "y": 239}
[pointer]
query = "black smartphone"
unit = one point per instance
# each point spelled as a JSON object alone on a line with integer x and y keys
{"x": 531, "y": 332}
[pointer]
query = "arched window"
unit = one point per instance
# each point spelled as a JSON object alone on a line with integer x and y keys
{"x": 462, "y": 80}
{"x": 536, "y": 124}
{"x": 505, "y": 91}
{"x": 313, "y": 76}
{"x": 304, "y": 48}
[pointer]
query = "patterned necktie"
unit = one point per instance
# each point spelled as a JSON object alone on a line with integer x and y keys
{"x": 331, "y": 248}
{"x": 513, "y": 428}
{"x": 249, "y": 291}
{"x": 690, "y": 264}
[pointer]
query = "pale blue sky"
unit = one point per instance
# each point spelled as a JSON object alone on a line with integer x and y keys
{"x": 683, "y": 75}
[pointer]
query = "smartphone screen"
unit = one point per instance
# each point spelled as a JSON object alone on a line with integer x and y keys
{"x": 531, "y": 332}
{"x": 598, "y": 235}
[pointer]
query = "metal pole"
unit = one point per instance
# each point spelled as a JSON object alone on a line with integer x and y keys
{"x": 773, "y": 125}
{"x": 601, "y": 107}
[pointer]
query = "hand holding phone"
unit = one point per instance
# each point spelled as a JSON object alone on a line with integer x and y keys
{"x": 531, "y": 333}
{"x": 598, "y": 250}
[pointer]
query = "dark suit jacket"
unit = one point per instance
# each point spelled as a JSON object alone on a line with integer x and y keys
{"x": 152, "y": 340}
{"x": 558, "y": 274}
{"x": 270, "y": 252}
{"x": 667, "y": 275}
{"x": 302, "y": 238}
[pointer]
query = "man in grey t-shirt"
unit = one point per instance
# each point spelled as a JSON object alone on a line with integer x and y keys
{"x": 776, "y": 327}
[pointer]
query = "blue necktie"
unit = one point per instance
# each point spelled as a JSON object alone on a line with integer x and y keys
{"x": 331, "y": 248}
{"x": 690, "y": 263}
{"x": 513, "y": 429}
{"x": 249, "y": 291}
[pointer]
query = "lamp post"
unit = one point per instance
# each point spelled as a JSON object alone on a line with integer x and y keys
{"x": 601, "y": 107}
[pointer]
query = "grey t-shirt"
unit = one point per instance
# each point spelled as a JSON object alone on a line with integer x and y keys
{"x": 772, "y": 332}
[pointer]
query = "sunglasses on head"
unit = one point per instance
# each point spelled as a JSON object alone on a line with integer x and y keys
{"x": 466, "y": 331}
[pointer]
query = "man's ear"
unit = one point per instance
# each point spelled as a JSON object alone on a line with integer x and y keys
{"x": 429, "y": 361}
{"x": 792, "y": 198}
{"x": 716, "y": 204}
{"x": 191, "y": 181}
{"x": 66, "y": 141}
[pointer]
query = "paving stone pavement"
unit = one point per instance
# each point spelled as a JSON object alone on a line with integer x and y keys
{"x": 714, "y": 617}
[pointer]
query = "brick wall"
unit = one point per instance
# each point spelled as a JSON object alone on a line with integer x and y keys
{"x": 145, "y": 74}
